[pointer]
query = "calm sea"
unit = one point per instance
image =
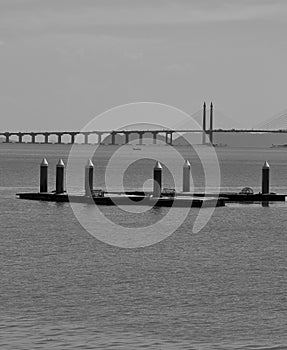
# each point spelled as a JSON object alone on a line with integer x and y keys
{"x": 222, "y": 288}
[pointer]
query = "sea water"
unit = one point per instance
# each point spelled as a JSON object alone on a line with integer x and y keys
{"x": 224, "y": 287}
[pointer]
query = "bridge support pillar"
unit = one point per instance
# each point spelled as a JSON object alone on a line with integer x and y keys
{"x": 99, "y": 138}
{"x": 113, "y": 135}
{"x": 86, "y": 138}
{"x": 59, "y": 138}
{"x": 7, "y": 136}
{"x": 72, "y": 138}
{"x": 20, "y": 137}
{"x": 168, "y": 138}
{"x": 33, "y": 137}
{"x": 127, "y": 138}
{"x": 154, "y": 137}
{"x": 46, "y": 135}
{"x": 140, "y": 138}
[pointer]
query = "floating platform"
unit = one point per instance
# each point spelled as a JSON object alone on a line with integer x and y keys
{"x": 192, "y": 200}
{"x": 228, "y": 196}
{"x": 128, "y": 199}
{"x": 240, "y": 198}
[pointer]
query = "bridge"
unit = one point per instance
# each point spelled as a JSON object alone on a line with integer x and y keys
{"x": 207, "y": 132}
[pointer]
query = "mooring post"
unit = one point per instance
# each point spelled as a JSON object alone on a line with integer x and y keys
{"x": 89, "y": 176}
{"x": 44, "y": 176}
{"x": 60, "y": 176}
{"x": 265, "y": 178}
{"x": 157, "y": 180}
{"x": 186, "y": 177}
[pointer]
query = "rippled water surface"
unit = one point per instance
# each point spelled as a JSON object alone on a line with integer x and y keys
{"x": 222, "y": 288}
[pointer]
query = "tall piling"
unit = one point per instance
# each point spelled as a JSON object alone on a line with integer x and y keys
{"x": 60, "y": 176}
{"x": 44, "y": 176}
{"x": 265, "y": 178}
{"x": 204, "y": 124}
{"x": 186, "y": 177}
{"x": 157, "y": 180}
{"x": 89, "y": 177}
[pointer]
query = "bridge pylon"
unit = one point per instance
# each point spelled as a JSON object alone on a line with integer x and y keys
{"x": 204, "y": 124}
{"x": 211, "y": 123}
{"x": 204, "y": 128}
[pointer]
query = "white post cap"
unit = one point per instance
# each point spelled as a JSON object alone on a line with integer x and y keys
{"x": 44, "y": 162}
{"x": 158, "y": 165}
{"x": 90, "y": 164}
{"x": 266, "y": 165}
{"x": 186, "y": 164}
{"x": 60, "y": 163}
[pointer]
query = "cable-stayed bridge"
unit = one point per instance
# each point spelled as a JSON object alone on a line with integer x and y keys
{"x": 278, "y": 121}
{"x": 205, "y": 121}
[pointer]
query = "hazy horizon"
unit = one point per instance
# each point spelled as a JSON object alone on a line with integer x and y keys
{"x": 64, "y": 62}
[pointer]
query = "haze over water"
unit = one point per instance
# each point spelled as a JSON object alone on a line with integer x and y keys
{"x": 223, "y": 288}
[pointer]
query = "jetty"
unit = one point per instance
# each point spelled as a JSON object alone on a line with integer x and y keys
{"x": 159, "y": 197}
{"x": 128, "y": 199}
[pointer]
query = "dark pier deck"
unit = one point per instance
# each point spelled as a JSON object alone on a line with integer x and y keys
{"x": 196, "y": 200}
{"x": 233, "y": 197}
{"x": 128, "y": 199}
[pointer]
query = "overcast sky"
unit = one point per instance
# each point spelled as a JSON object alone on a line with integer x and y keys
{"x": 64, "y": 61}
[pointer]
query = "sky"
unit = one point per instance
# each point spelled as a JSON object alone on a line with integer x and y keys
{"x": 63, "y": 62}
